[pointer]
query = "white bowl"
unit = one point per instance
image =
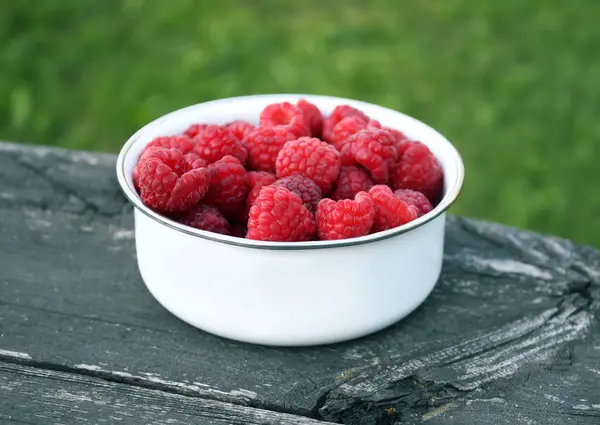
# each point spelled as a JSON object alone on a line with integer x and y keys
{"x": 296, "y": 293}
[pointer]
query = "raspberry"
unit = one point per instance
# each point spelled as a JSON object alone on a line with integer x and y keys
{"x": 390, "y": 211}
{"x": 206, "y": 217}
{"x": 257, "y": 180}
{"x": 345, "y": 218}
{"x": 171, "y": 181}
{"x": 312, "y": 116}
{"x": 280, "y": 215}
{"x": 351, "y": 180}
{"x": 263, "y": 145}
{"x": 414, "y": 198}
{"x": 339, "y": 113}
{"x": 304, "y": 187}
{"x": 348, "y": 127}
{"x": 195, "y": 129}
{"x": 284, "y": 115}
{"x": 216, "y": 141}
{"x": 228, "y": 184}
{"x": 240, "y": 129}
{"x": 418, "y": 169}
{"x": 183, "y": 143}
{"x": 312, "y": 158}
{"x": 374, "y": 149}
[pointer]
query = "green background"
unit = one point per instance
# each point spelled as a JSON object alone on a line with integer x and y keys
{"x": 514, "y": 84}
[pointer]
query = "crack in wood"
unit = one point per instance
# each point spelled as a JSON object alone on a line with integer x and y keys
{"x": 149, "y": 382}
{"x": 80, "y": 398}
{"x": 452, "y": 374}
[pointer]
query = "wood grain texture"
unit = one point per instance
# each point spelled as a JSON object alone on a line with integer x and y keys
{"x": 39, "y": 396}
{"x": 514, "y": 318}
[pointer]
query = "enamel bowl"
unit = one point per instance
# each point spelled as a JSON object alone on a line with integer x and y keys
{"x": 297, "y": 293}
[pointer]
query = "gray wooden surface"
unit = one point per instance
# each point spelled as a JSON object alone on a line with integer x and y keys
{"x": 511, "y": 334}
{"x": 39, "y": 395}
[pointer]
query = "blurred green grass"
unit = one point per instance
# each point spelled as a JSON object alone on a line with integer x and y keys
{"x": 514, "y": 84}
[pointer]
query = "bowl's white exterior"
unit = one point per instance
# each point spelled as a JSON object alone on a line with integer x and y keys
{"x": 289, "y": 297}
{"x": 282, "y": 294}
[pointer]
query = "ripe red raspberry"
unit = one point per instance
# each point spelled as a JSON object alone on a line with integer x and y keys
{"x": 172, "y": 182}
{"x": 216, "y": 141}
{"x": 415, "y": 198}
{"x": 339, "y": 113}
{"x": 345, "y": 218}
{"x": 195, "y": 129}
{"x": 206, "y": 217}
{"x": 312, "y": 116}
{"x": 418, "y": 169}
{"x": 351, "y": 180}
{"x": 348, "y": 127}
{"x": 228, "y": 184}
{"x": 374, "y": 149}
{"x": 304, "y": 187}
{"x": 183, "y": 143}
{"x": 390, "y": 211}
{"x": 286, "y": 115}
{"x": 263, "y": 145}
{"x": 240, "y": 129}
{"x": 312, "y": 158}
{"x": 279, "y": 215}
{"x": 257, "y": 180}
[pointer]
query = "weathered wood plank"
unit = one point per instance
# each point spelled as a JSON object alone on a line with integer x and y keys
{"x": 509, "y": 302}
{"x": 39, "y": 396}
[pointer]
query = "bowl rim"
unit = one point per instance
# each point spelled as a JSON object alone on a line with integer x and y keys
{"x": 451, "y": 194}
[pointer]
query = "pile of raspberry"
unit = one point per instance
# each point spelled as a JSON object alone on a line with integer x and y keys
{"x": 297, "y": 176}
